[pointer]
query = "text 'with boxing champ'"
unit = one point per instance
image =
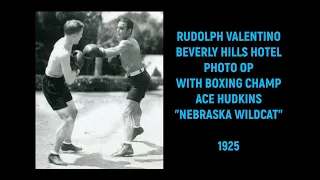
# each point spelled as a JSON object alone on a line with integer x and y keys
{"x": 212, "y": 58}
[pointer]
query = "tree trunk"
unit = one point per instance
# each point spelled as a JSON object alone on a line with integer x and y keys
{"x": 98, "y": 61}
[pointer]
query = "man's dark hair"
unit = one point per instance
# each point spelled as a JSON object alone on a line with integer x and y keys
{"x": 72, "y": 27}
{"x": 128, "y": 22}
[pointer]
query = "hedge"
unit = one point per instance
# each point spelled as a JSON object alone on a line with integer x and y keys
{"x": 102, "y": 83}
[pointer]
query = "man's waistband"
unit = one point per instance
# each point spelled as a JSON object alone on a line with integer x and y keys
{"x": 53, "y": 77}
{"x": 134, "y": 73}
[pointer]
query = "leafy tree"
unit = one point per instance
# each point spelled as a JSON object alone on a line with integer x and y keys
{"x": 49, "y": 28}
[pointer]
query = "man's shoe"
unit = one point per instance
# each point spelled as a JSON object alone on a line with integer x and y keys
{"x": 125, "y": 150}
{"x": 55, "y": 159}
{"x": 70, "y": 147}
{"x": 136, "y": 132}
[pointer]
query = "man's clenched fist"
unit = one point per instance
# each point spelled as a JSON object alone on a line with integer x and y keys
{"x": 91, "y": 51}
{"x": 76, "y": 60}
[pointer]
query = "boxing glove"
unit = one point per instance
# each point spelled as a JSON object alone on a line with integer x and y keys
{"x": 91, "y": 51}
{"x": 76, "y": 60}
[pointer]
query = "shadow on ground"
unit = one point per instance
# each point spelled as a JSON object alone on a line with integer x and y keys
{"x": 158, "y": 150}
{"x": 96, "y": 160}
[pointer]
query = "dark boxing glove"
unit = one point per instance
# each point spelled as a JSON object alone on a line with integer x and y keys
{"x": 91, "y": 51}
{"x": 76, "y": 60}
{"x": 115, "y": 61}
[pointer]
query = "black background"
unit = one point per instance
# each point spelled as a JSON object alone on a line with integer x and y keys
{"x": 194, "y": 143}
{"x": 188, "y": 144}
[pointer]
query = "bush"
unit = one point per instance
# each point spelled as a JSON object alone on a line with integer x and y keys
{"x": 102, "y": 83}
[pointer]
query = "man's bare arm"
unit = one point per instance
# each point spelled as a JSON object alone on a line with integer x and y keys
{"x": 114, "y": 51}
{"x": 69, "y": 75}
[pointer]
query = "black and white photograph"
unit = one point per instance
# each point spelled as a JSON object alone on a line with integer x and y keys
{"x": 99, "y": 90}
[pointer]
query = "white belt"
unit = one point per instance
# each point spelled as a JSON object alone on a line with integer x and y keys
{"x": 134, "y": 73}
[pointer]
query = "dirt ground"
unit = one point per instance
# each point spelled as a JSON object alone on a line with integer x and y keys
{"x": 98, "y": 130}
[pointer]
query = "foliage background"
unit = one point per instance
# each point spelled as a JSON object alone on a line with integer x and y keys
{"x": 49, "y": 28}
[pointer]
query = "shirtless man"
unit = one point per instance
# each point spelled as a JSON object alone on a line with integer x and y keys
{"x": 61, "y": 71}
{"x": 129, "y": 51}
